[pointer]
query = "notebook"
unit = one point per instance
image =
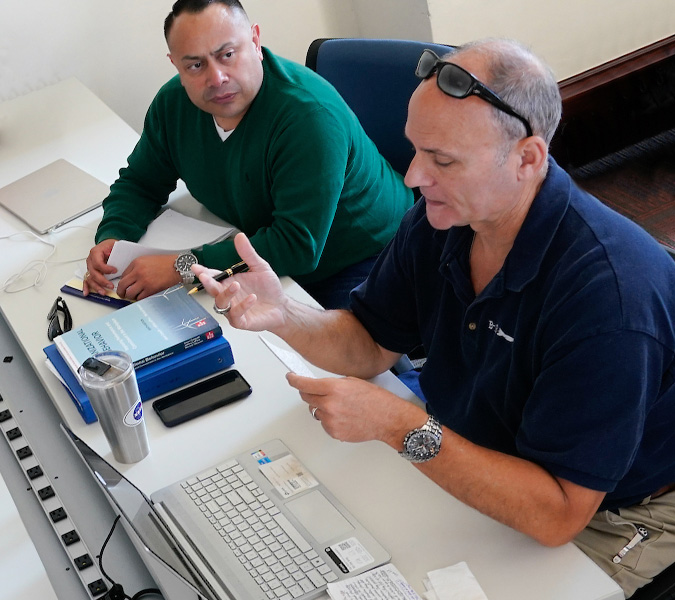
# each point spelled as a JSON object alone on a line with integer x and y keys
{"x": 53, "y": 195}
{"x": 256, "y": 527}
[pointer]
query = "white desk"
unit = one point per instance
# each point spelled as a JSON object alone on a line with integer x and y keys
{"x": 18, "y": 555}
{"x": 423, "y": 527}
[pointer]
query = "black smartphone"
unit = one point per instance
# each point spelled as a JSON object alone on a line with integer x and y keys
{"x": 201, "y": 397}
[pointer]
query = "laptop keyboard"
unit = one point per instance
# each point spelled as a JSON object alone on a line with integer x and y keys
{"x": 272, "y": 550}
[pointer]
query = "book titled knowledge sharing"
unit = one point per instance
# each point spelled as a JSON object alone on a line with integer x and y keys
{"x": 149, "y": 330}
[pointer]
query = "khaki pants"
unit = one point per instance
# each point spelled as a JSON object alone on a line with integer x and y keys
{"x": 608, "y": 533}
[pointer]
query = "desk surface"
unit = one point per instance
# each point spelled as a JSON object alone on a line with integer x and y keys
{"x": 432, "y": 529}
{"x": 19, "y": 555}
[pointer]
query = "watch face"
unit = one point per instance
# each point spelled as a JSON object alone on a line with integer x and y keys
{"x": 422, "y": 445}
{"x": 185, "y": 261}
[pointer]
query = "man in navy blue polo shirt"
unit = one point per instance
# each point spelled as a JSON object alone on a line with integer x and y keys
{"x": 547, "y": 320}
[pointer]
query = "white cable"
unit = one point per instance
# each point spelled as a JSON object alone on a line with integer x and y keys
{"x": 38, "y": 266}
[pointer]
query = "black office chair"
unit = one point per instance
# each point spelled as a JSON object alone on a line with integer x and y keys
{"x": 376, "y": 78}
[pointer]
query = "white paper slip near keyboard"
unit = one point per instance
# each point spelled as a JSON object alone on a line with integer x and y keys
{"x": 258, "y": 526}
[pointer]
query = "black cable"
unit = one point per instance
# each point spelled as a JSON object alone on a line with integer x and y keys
{"x": 105, "y": 543}
{"x": 117, "y": 592}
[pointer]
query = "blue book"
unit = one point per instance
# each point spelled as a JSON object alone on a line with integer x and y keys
{"x": 154, "y": 379}
{"x": 150, "y": 330}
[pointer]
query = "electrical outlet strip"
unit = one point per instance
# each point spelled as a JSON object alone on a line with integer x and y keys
{"x": 83, "y": 560}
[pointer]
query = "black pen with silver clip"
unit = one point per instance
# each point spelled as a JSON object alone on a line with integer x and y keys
{"x": 240, "y": 267}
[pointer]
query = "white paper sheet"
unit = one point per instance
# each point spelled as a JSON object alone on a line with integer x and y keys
{"x": 383, "y": 583}
{"x": 169, "y": 233}
{"x": 291, "y": 360}
{"x": 456, "y": 582}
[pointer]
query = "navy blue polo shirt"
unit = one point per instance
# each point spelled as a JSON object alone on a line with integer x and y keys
{"x": 564, "y": 359}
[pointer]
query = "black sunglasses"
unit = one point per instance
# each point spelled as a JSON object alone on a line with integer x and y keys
{"x": 54, "y": 328}
{"x": 459, "y": 83}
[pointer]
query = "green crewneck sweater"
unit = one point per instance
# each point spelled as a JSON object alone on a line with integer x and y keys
{"x": 298, "y": 175}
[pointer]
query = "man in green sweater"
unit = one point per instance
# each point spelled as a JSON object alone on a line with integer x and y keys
{"x": 265, "y": 144}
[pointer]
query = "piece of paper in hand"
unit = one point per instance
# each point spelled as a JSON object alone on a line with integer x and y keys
{"x": 456, "y": 582}
{"x": 290, "y": 359}
{"x": 383, "y": 583}
{"x": 171, "y": 232}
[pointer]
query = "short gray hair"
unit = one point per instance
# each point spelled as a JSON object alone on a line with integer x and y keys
{"x": 523, "y": 81}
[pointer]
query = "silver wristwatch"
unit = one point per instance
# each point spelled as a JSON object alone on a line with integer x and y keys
{"x": 421, "y": 445}
{"x": 182, "y": 265}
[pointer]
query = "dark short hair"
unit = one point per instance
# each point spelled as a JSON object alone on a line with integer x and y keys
{"x": 195, "y": 6}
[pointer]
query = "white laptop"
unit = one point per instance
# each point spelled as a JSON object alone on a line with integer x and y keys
{"x": 256, "y": 527}
{"x": 54, "y": 195}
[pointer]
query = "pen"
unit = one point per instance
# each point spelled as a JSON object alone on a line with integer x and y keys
{"x": 240, "y": 267}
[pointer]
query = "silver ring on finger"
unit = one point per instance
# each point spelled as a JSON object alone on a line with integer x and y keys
{"x": 222, "y": 311}
{"x": 314, "y": 409}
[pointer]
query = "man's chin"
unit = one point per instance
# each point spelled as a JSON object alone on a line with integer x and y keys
{"x": 440, "y": 216}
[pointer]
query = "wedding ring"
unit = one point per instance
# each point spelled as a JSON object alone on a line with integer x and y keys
{"x": 222, "y": 311}
{"x": 314, "y": 409}
{"x": 86, "y": 276}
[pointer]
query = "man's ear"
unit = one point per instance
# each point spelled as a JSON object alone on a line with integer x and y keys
{"x": 171, "y": 59}
{"x": 533, "y": 153}
{"x": 255, "y": 31}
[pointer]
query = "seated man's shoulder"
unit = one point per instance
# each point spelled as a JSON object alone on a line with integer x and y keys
{"x": 171, "y": 88}
{"x": 300, "y": 85}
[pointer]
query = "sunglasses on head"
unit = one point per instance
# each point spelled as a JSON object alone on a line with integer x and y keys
{"x": 459, "y": 83}
{"x": 54, "y": 327}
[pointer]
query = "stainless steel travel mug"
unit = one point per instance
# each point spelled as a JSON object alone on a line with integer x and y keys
{"x": 109, "y": 380}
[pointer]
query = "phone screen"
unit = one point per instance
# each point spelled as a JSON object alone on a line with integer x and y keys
{"x": 201, "y": 398}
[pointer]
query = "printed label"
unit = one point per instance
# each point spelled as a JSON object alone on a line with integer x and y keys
{"x": 350, "y": 555}
{"x": 134, "y": 415}
{"x": 288, "y": 476}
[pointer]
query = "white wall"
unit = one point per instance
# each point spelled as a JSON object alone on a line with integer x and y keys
{"x": 571, "y": 35}
{"x": 396, "y": 19}
{"x": 117, "y": 49}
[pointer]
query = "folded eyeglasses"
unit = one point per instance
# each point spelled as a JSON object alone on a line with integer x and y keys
{"x": 459, "y": 83}
{"x": 54, "y": 327}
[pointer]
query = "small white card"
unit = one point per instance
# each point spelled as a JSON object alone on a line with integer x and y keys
{"x": 288, "y": 476}
{"x": 290, "y": 359}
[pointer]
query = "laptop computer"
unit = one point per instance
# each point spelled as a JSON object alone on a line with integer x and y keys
{"x": 52, "y": 196}
{"x": 258, "y": 526}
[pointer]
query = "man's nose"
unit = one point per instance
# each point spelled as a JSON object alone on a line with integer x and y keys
{"x": 216, "y": 75}
{"x": 415, "y": 175}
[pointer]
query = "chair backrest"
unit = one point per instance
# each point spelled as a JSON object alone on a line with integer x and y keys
{"x": 376, "y": 78}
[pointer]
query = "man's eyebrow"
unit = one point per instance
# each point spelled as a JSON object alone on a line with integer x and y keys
{"x": 427, "y": 150}
{"x": 214, "y": 52}
{"x": 436, "y": 152}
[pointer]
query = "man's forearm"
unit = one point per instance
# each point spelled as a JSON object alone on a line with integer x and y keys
{"x": 334, "y": 340}
{"x": 512, "y": 490}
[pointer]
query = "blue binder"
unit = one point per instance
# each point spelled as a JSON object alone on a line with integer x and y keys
{"x": 156, "y": 378}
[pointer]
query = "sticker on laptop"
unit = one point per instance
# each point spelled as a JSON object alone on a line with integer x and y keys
{"x": 349, "y": 555}
{"x": 260, "y": 457}
{"x": 288, "y": 476}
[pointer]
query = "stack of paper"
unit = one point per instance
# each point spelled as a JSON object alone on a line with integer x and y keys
{"x": 386, "y": 583}
{"x": 453, "y": 583}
